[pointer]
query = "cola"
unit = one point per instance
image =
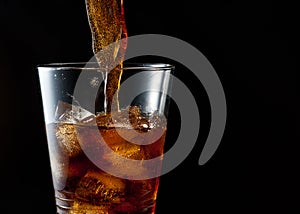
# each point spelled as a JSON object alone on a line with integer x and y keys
{"x": 77, "y": 152}
{"x": 109, "y": 38}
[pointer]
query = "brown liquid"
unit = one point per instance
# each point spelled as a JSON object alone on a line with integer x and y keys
{"x": 81, "y": 187}
{"x": 109, "y": 34}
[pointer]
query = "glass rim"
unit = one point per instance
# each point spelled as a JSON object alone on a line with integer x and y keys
{"x": 89, "y": 66}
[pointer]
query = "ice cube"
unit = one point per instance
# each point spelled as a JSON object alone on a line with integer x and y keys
{"x": 128, "y": 116}
{"x": 58, "y": 159}
{"x": 100, "y": 188}
{"x": 67, "y": 139}
{"x": 123, "y": 157}
{"x": 125, "y": 118}
{"x": 122, "y": 166}
{"x": 134, "y": 113}
{"x": 69, "y": 113}
{"x": 117, "y": 139}
{"x": 59, "y": 168}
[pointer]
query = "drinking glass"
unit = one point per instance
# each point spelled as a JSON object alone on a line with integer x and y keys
{"x": 105, "y": 159}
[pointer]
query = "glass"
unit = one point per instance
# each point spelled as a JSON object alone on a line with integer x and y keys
{"x": 100, "y": 159}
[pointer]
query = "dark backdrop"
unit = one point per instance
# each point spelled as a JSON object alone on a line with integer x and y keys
{"x": 253, "y": 45}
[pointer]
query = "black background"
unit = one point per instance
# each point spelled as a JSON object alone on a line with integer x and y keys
{"x": 253, "y": 46}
